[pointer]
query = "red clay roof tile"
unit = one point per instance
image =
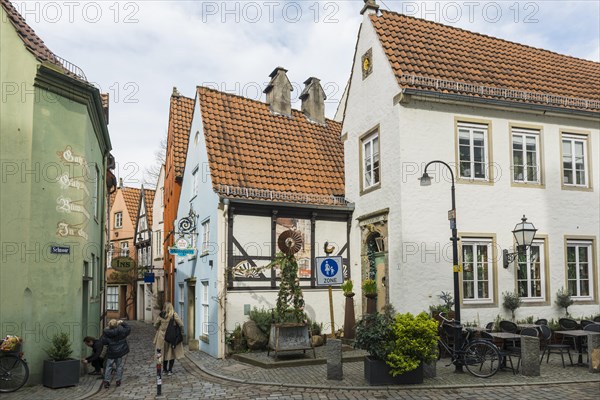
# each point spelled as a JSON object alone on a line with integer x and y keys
{"x": 250, "y": 149}
{"x": 428, "y": 49}
{"x": 180, "y": 121}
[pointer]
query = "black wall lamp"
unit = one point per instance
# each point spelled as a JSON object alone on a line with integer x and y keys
{"x": 524, "y": 233}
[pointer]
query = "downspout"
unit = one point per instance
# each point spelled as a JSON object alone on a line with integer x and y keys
{"x": 222, "y": 343}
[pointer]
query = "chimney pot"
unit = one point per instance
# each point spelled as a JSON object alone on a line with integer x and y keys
{"x": 370, "y": 7}
{"x": 278, "y": 92}
{"x": 120, "y": 183}
{"x": 313, "y": 100}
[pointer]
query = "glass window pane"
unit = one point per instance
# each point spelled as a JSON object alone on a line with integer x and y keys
{"x": 583, "y": 253}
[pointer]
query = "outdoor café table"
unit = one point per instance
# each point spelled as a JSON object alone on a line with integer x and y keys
{"x": 505, "y": 336}
{"x": 523, "y": 326}
{"x": 578, "y": 334}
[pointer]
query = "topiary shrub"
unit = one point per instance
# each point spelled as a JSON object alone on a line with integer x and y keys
{"x": 60, "y": 348}
{"x": 415, "y": 341}
{"x": 511, "y": 302}
{"x": 564, "y": 300}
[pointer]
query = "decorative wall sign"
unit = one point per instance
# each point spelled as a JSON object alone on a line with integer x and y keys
{"x": 122, "y": 264}
{"x": 367, "y": 63}
{"x": 65, "y": 183}
{"x": 65, "y": 205}
{"x": 187, "y": 225}
{"x": 63, "y": 229}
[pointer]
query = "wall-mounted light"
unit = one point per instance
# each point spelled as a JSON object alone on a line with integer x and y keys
{"x": 524, "y": 234}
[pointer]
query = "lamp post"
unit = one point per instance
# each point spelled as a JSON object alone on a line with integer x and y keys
{"x": 426, "y": 181}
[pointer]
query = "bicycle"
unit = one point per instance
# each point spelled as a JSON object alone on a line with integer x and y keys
{"x": 14, "y": 371}
{"x": 481, "y": 357}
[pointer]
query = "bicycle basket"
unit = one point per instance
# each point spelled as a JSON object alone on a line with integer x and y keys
{"x": 11, "y": 344}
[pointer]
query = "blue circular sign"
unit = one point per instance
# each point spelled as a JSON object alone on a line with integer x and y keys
{"x": 329, "y": 267}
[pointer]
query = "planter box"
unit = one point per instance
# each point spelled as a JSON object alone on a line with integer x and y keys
{"x": 289, "y": 337}
{"x": 377, "y": 372}
{"x": 58, "y": 374}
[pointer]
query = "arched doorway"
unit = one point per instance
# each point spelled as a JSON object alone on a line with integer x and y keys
{"x": 374, "y": 256}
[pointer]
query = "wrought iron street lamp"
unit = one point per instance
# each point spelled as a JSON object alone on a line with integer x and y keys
{"x": 524, "y": 234}
{"x": 426, "y": 181}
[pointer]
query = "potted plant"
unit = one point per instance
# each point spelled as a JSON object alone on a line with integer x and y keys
{"x": 564, "y": 300}
{"x": 369, "y": 287}
{"x": 398, "y": 345}
{"x": 349, "y": 317}
{"x": 511, "y": 302}
{"x": 60, "y": 370}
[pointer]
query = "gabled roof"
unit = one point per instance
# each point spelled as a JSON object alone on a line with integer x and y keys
{"x": 132, "y": 200}
{"x": 424, "y": 49}
{"x": 253, "y": 153}
{"x": 35, "y": 44}
{"x": 180, "y": 121}
{"x": 149, "y": 196}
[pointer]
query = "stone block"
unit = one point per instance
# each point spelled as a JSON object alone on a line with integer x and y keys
{"x": 530, "y": 356}
{"x": 594, "y": 353}
{"x": 334, "y": 360}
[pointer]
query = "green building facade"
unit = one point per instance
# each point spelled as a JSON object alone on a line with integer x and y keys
{"x": 54, "y": 146}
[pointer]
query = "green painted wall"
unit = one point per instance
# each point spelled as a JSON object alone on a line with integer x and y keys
{"x": 49, "y": 196}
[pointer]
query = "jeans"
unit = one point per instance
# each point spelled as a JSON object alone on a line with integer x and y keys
{"x": 119, "y": 365}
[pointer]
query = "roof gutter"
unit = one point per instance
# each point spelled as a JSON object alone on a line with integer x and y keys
{"x": 236, "y": 200}
{"x": 429, "y": 95}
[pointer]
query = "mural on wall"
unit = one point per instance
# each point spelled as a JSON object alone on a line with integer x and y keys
{"x": 69, "y": 181}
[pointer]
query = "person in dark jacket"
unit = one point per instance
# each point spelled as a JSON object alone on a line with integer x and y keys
{"x": 96, "y": 358}
{"x": 115, "y": 337}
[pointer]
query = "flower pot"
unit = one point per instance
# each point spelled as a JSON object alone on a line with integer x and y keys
{"x": 58, "y": 374}
{"x": 377, "y": 372}
{"x": 349, "y": 318}
{"x": 371, "y": 303}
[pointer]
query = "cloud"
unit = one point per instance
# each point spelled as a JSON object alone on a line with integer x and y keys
{"x": 138, "y": 50}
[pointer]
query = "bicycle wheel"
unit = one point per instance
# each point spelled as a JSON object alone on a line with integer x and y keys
{"x": 14, "y": 372}
{"x": 482, "y": 359}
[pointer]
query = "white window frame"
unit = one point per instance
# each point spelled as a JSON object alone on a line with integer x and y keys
{"x": 205, "y": 309}
{"x": 525, "y": 135}
{"x": 573, "y": 139}
{"x": 471, "y": 129}
{"x": 205, "y": 236}
{"x": 194, "y": 183}
{"x": 474, "y": 244}
{"x": 525, "y": 261}
{"x": 124, "y": 249}
{"x": 158, "y": 245}
{"x": 577, "y": 244}
{"x": 118, "y": 219}
{"x": 112, "y": 298}
{"x": 371, "y": 161}
{"x": 181, "y": 295}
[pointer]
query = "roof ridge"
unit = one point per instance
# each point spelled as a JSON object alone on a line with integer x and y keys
{"x": 255, "y": 101}
{"x": 482, "y": 35}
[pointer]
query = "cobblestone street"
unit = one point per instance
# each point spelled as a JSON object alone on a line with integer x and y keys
{"x": 201, "y": 377}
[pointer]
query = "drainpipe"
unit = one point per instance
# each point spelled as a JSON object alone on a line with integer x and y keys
{"x": 222, "y": 344}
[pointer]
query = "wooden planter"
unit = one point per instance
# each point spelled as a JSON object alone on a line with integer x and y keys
{"x": 377, "y": 373}
{"x": 58, "y": 374}
{"x": 289, "y": 337}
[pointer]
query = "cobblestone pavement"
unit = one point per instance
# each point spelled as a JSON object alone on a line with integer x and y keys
{"x": 201, "y": 377}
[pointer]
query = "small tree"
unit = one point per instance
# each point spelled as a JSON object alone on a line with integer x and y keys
{"x": 511, "y": 302}
{"x": 564, "y": 300}
{"x": 60, "y": 348}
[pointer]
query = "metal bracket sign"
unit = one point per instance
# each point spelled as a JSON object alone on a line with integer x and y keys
{"x": 329, "y": 271}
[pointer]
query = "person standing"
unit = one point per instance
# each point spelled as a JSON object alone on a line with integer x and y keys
{"x": 170, "y": 352}
{"x": 96, "y": 358}
{"x": 115, "y": 337}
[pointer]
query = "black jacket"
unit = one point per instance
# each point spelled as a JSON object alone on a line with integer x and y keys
{"x": 115, "y": 339}
{"x": 96, "y": 350}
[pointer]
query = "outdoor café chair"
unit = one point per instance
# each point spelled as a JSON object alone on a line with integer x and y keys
{"x": 505, "y": 354}
{"x": 541, "y": 321}
{"x": 597, "y": 318}
{"x": 568, "y": 324}
{"x": 489, "y": 326}
{"x": 584, "y": 346}
{"x": 585, "y": 322}
{"x": 550, "y": 348}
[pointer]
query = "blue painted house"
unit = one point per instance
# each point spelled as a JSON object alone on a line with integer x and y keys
{"x": 253, "y": 170}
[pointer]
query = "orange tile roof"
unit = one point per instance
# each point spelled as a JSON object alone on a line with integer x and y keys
{"x": 417, "y": 47}
{"x": 253, "y": 152}
{"x": 180, "y": 121}
{"x": 33, "y": 42}
{"x": 149, "y": 195}
{"x": 132, "y": 201}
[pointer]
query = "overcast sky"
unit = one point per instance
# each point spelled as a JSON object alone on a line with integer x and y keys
{"x": 137, "y": 51}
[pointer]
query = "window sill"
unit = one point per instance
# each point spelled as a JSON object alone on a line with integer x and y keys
{"x": 204, "y": 338}
{"x": 370, "y": 189}
{"x": 534, "y": 302}
{"x": 576, "y": 188}
{"x": 532, "y": 185}
{"x": 474, "y": 181}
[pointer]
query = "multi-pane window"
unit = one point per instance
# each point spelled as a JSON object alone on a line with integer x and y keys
{"x": 112, "y": 298}
{"x": 124, "y": 249}
{"x": 95, "y": 202}
{"x": 119, "y": 219}
{"x": 472, "y": 150}
{"x": 477, "y": 270}
{"x": 370, "y": 161}
{"x": 526, "y": 155}
{"x": 205, "y": 327}
{"x": 195, "y": 182}
{"x": 531, "y": 280}
{"x": 205, "y": 236}
{"x": 579, "y": 268}
{"x": 574, "y": 154}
